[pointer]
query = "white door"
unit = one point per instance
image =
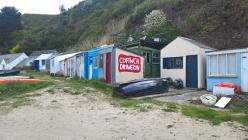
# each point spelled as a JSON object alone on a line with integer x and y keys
{"x": 244, "y": 72}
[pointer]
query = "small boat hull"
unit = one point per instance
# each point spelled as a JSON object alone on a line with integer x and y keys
{"x": 142, "y": 87}
{"x": 8, "y": 72}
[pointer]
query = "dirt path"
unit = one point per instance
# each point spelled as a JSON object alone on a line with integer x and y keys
{"x": 62, "y": 116}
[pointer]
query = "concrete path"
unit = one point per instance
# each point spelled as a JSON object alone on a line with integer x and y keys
{"x": 182, "y": 96}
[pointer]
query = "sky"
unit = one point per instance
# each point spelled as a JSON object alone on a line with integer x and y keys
{"x": 39, "y": 6}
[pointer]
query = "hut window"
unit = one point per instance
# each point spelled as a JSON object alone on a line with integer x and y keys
{"x": 213, "y": 65}
{"x": 231, "y": 65}
{"x": 95, "y": 61}
{"x": 173, "y": 63}
{"x": 101, "y": 61}
{"x": 222, "y": 65}
{"x": 147, "y": 57}
{"x": 155, "y": 58}
{"x": 43, "y": 62}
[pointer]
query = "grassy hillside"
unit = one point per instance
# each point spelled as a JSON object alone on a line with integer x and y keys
{"x": 218, "y": 23}
{"x": 36, "y": 20}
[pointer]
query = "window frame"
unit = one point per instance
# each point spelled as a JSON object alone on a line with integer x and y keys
{"x": 43, "y": 60}
{"x": 226, "y": 63}
{"x": 156, "y": 57}
{"x": 101, "y": 63}
{"x": 174, "y": 60}
{"x": 95, "y": 62}
{"x": 147, "y": 56}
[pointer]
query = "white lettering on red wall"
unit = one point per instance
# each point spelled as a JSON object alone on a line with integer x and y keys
{"x": 129, "y": 63}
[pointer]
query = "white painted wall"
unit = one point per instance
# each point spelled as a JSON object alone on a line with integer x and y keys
{"x": 71, "y": 67}
{"x": 44, "y": 57}
{"x": 80, "y": 66}
{"x": 182, "y": 48}
{"x": 122, "y": 77}
{"x": 55, "y": 69}
{"x": 42, "y": 67}
{"x": 62, "y": 67}
{"x": 3, "y": 65}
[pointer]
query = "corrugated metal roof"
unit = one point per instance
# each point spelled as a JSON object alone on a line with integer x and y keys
{"x": 197, "y": 43}
{"x": 38, "y": 53}
{"x": 44, "y": 56}
{"x": 227, "y": 51}
{"x": 65, "y": 56}
{"x": 8, "y": 58}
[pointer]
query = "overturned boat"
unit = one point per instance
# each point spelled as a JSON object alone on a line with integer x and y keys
{"x": 142, "y": 87}
{"x": 9, "y": 72}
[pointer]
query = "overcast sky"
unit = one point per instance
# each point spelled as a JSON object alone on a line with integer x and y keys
{"x": 39, "y": 6}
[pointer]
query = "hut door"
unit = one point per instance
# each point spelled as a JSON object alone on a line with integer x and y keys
{"x": 191, "y": 71}
{"x": 148, "y": 63}
{"x": 244, "y": 73}
{"x": 36, "y": 65}
{"x": 108, "y": 68}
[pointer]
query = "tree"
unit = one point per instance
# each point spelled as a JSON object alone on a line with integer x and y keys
{"x": 157, "y": 26}
{"x": 10, "y": 21}
{"x": 62, "y": 9}
{"x": 154, "y": 20}
{"x": 15, "y": 49}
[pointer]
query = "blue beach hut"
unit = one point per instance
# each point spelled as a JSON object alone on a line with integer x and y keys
{"x": 227, "y": 66}
{"x": 91, "y": 61}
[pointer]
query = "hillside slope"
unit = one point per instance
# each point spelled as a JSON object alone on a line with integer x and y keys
{"x": 218, "y": 23}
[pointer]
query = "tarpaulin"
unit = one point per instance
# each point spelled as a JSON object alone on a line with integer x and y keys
{"x": 229, "y": 85}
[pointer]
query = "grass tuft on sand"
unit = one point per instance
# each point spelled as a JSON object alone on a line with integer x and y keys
{"x": 14, "y": 94}
{"x": 214, "y": 116}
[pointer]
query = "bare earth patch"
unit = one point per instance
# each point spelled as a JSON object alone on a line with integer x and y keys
{"x": 56, "y": 115}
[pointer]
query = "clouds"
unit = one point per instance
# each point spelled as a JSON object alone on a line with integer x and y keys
{"x": 39, "y": 6}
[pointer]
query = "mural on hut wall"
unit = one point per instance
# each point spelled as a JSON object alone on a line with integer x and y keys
{"x": 132, "y": 66}
{"x": 129, "y": 63}
{"x": 112, "y": 64}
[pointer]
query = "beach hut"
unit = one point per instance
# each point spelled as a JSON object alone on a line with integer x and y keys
{"x": 42, "y": 63}
{"x": 227, "y": 66}
{"x": 114, "y": 65}
{"x": 75, "y": 66}
{"x": 55, "y": 63}
{"x": 11, "y": 61}
{"x": 126, "y": 66}
{"x": 105, "y": 62}
{"x": 67, "y": 66}
{"x": 184, "y": 59}
{"x": 35, "y": 54}
{"x": 91, "y": 64}
{"x": 150, "y": 50}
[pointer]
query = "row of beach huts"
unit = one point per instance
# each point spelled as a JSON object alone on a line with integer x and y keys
{"x": 196, "y": 64}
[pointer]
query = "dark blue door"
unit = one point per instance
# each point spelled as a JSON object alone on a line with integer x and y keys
{"x": 36, "y": 65}
{"x": 192, "y": 71}
{"x": 86, "y": 66}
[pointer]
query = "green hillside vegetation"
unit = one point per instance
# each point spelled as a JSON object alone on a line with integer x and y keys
{"x": 218, "y": 23}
